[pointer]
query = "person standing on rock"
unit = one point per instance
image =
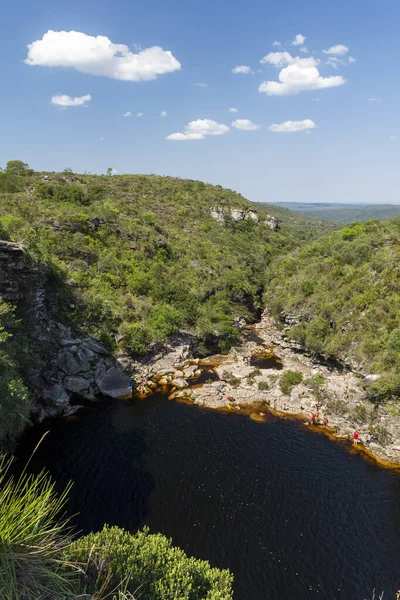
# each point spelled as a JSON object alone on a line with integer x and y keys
{"x": 313, "y": 419}
{"x": 368, "y": 439}
{"x": 356, "y": 437}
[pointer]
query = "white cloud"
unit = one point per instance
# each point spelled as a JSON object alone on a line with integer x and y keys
{"x": 233, "y": 110}
{"x": 99, "y": 56}
{"x": 276, "y": 44}
{"x": 298, "y": 40}
{"x": 292, "y": 126}
{"x": 198, "y": 130}
{"x": 338, "y": 50}
{"x": 297, "y": 75}
{"x": 245, "y": 125}
{"x": 139, "y": 114}
{"x": 351, "y": 59}
{"x": 243, "y": 69}
{"x": 127, "y": 114}
{"x": 304, "y": 50}
{"x": 64, "y": 100}
{"x": 201, "y": 85}
{"x": 163, "y": 113}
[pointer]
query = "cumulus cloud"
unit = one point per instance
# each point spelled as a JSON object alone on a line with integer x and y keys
{"x": 64, "y": 100}
{"x": 276, "y": 44}
{"x": 198, "y": 130}
{"x": 243, "y": 69}
{"x": 304, "y": 50}
{"x": 338, "y": 50}
{"x": 233, "y": 110}
{"x": 163, "y": 113}
{"x": 100, "y": 56}
{"x": 292, "y": 126}
{"x": 298, "y": 40}
{"x": 127, "y": 114}
{"x": 296, "y": 75}
{"x": 245, "y": 125}
{"x": 351, "y": 59}
{"x": 201, "y": 85}
{"x": 139, "y": 114}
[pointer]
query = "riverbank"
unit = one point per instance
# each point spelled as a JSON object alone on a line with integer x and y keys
{"x": 273, "y": 374}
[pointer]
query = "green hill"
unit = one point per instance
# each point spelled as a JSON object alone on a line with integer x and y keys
{"x": 137, "y": 257}
{"x": 344, "y": 213}
{"x": 343, "y": 292}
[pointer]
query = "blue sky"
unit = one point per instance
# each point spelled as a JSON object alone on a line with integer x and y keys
{"x": 345, "y": 149}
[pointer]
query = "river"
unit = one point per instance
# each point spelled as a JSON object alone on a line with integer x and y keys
{"x": 291, "y": 513}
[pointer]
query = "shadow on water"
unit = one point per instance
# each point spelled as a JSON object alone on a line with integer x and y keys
{"x": 292, "y": 514}
{"x": 207, "y": 376}
{"x": 82, "y": 450}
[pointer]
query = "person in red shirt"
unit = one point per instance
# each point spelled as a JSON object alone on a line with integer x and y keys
{"x": 355, "y": 437}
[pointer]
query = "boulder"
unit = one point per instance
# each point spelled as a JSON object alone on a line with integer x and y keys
{"x": 95, "y": 346}
{"x": 190, "y": 371}
{"x": 114, "y": 383}
{"x": 56, "y": 396}
{"x": 271, "y": 222}
{"x": 72, "y": 363}
{"x": 76, "y": 384}
{"x": 218, "y": 214}
{"x": 179, "y": 383}
{"x": 237, "y": 215}
{"x": 252, "y": 215}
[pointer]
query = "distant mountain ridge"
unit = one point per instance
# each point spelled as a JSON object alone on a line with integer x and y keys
{"x": 343, "y": 213}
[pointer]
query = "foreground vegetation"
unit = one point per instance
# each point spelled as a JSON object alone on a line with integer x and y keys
{"x": 345, "y": 291}
{"x": 40, "y": 560}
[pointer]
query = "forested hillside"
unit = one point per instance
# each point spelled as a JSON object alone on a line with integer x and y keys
{"x": 136, "y": 257}
{"x": 344, "y": 294}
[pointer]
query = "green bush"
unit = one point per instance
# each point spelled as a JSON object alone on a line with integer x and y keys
{"x": 32, "y": 538}
{"x": 147, "y": 565}
{"x": 289, "y": 380}
{"x": 263, "y": 386}
{"x": 135, "y": 337}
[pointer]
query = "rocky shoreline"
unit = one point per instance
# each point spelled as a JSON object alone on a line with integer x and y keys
{"x": 254, "y": 375}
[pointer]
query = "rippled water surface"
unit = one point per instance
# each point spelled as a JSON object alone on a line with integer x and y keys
{"x": 291, "y": 513}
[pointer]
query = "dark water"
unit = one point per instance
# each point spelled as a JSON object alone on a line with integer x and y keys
{"x": 292, "y": 514}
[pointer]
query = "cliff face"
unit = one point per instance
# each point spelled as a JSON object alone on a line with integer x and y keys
{"x": 67, "y": 362}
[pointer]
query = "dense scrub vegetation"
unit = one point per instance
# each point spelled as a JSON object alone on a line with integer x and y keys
{"x": 137, "y": 258}
{"x": 14, "y": 358}
{"x": 346, "y": 290}
{"x": 40, "y": 558}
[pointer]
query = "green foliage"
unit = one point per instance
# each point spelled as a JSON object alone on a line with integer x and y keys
{"x": 32, "y": 538}
{"x": 381, "y": 435}
{"x": 147, "y": 564}
{"x": 15, "y": 399}
{"x": 263, "y": 386}
{"x": 361, "y": 414}
{"x": 337, "y": 407}
{"x": 346, "y": 287}
{"x": 142, "y": 254}
{"x": 231, "y": 379}
{"x": 18, "y": 167}
{"x": 289, "y": 380}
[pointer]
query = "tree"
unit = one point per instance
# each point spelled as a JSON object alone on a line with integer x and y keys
{"x": 110, "y": 171}
{"x": 18, "y": 167}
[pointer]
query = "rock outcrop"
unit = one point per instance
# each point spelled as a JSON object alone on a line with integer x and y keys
{"x": 223, "y": 215}
{"x": 67, "y": 363}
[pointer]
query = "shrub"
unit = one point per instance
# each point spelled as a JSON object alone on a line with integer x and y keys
{"x": 263, "y": 386}
{"x": 147, "y": 564}
{"x": 381, "y": 435}
{"x": 32, "y": 537}
{"x": 361, "y": 414}
{"x": 288, "y": 380}
{"x": 135, "y": 337}
{"x": 337, "y": 407}
{"x": 231, "y": 379}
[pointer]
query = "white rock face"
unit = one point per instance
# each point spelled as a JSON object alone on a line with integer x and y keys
{"x": 218, "y": 214}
